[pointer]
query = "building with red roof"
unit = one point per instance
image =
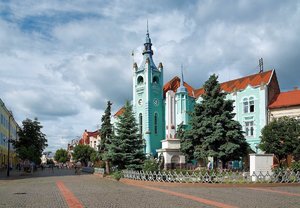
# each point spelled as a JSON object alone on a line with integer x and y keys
{"x": 159, "y": 108}
{"x": 91, "y": 138}
{"x": 285, "y": 104}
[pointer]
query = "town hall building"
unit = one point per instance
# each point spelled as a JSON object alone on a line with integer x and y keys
{"x": 159, "y": 108}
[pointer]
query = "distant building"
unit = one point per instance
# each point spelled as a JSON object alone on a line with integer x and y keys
{"x": 285, "y": 104}
{"x": 91, "y": 138}
{"x": 70, "y": 149}
{"x": 47, "y": 156}
{"x": 8, "y": 129}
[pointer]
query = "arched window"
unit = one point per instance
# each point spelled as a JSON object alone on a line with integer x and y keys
{"x": 251, "y": 104}
{"x": 155, "y": 80}
{"x": 140, "y": 80}
{"x": 141, "y": 124}
{"x": 155, "y": 123}
{"x": 246, "y": 105}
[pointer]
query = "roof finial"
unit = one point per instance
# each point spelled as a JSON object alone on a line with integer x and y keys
{"x": 147, "y": 28}
{"x": 261, "y": 65}
{"x": 181, "y": 83}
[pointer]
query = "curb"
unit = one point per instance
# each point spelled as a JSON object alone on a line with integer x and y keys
{"x": 211, "y": 185}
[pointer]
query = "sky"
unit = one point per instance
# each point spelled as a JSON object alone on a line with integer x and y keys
{"x": 62, "y": 60}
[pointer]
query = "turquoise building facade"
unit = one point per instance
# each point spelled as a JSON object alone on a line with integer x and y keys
{"x": 148, "y": 103}
{"x": 159, "y": 108}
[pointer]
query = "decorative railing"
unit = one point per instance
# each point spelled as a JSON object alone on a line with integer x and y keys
{"x": 221, "y": 177}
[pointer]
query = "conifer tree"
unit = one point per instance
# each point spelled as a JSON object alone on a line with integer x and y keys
{"x": 106, "y": 133}
{"x": 126, "y": 147}
{"x": 213, "y": 131}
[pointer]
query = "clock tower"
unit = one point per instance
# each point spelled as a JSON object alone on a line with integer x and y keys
{"x": 148, "y": 104}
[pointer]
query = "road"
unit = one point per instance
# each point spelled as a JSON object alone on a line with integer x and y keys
{"x": 61, "y": 188}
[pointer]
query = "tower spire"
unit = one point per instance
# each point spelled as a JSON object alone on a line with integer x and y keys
{"x": 182, "y": 81}
{"x": 182, "y": 88}
{"x": 148, "y": 44}
{"x": 147, "y": 28}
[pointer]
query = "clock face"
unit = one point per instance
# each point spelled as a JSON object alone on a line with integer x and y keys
{"x": 140, "y": 102}
{"x": 155, "y": 101}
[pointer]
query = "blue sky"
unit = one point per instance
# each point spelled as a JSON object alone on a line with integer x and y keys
{"x": 62, "y": 60}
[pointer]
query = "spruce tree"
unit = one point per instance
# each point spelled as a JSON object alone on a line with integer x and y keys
{"x": 213, "y": 131}
{"x": 126, "y": 147}
{"x": 106, "y": 133}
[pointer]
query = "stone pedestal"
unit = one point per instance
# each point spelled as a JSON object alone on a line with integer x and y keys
{"x": 171, "y": 153}
{"x": 260, "y": 164}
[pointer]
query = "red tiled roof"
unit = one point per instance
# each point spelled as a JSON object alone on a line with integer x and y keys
{"x": 119, "y": 112}
{"x": 286, "y": 99}
{"x": 93, "y": 133}
{"x": 241, "y": 83}
{"x": 174, "y": 83}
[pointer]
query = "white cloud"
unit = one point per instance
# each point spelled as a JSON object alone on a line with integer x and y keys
{"x": 61, "y": 61}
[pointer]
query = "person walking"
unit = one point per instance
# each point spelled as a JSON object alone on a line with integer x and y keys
{"x": 209, "y": 165}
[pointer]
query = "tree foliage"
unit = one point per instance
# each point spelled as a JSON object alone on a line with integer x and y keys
{"x": 32, "y": 141}
{"x": 83, "y": 153}
{"x": 126, "y": 147}
{"x": 213, "y": 132}
{"x": 281, "y": 137}
{"x": 61, "y": 155}
{"x": 106, "y": 135}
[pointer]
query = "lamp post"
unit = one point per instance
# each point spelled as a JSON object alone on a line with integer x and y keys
{"x": 8, "y": 145}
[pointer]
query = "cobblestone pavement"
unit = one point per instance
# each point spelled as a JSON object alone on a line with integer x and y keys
{"x": 61, "y": 187}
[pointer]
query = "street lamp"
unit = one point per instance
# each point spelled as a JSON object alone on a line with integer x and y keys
{"x": 8, "y": 145}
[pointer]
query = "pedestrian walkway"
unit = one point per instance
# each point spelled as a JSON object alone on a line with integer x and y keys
{"x": 62, "y": 188}
{"x": 16, "y": 174}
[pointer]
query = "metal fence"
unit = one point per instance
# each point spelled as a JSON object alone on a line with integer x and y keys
{"x": 220, "y": 177}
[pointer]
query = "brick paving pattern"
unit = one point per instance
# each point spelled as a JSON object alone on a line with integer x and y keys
{"x": 42, "y": 189}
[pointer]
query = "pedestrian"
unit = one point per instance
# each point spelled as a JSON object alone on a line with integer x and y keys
{"x": 209, "y": 165}
{"x": 77, "y": 167}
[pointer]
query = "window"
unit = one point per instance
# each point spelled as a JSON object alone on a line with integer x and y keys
{"x": 251, "y": 103}
{"x": 140, "y": 80}
{"x": 249, "y": 129}
{"x": 141, "y": 124}
{"x": 155, "y": 80}
{"x": 246, "y": 105}
{"x": 155, "y": 123}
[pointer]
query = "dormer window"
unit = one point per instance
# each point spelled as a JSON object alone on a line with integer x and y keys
{"x": 155, "y": 80}
{"x": 140, "y": 80}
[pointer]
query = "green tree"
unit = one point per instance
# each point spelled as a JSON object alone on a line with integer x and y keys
{"x": 281, "y": 137}
{"x": 126, "y": 147}
{"x": 106, "y": 135}
{"x": 32, "y": 141}
{"x": 186, "y": 144}
{"x": 83, "y": 153}
{"x": 61, "y": 155}
{"x": 213, "y": 131}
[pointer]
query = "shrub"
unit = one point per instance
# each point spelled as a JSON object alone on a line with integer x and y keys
{"x": 117, "y": 175}
{"x": 296, "y": 166}
{"x": 150, "y": 165}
